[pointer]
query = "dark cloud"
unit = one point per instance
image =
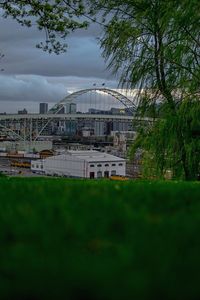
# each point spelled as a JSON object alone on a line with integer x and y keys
{"x": 40, "y": 88}
{"x": 32, "y": 75}
{"x": 83, "y": 57}
{"x": 31, "y": 88}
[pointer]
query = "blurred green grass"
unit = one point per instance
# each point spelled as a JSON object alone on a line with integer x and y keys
{"x": 77, "y": 239}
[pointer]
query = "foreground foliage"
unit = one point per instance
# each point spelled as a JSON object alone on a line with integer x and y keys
{"x": 71, "y": 239}
{"x": 161, "y": 147}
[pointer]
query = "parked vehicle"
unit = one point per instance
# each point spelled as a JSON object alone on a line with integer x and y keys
{"x": 20, "y": 164}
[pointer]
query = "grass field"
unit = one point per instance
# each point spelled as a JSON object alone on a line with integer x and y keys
{"x": 94, "y": 240}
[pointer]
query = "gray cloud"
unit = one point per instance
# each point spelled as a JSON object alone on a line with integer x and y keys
{"x": 30, "y": 88}
{"x": 83, "y": 57}
{"x": 32, "y": 75}
{"x": 39, "y": 88}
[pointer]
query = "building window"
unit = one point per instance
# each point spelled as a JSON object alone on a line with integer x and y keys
{"x": 41, "y": 167}
{"x": 113, "y": 165}
{"x": 106, "y": 165}
{"x": 33, "y": 166}
{"x": 99, "y": 165}
{"x": 91, "y": 166}
{"x": 37, "y": 166}
{"x": 120, "y": 164}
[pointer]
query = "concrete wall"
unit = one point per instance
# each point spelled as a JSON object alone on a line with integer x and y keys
{"x": 64, "y": 167}
{"x": 114, "y": 168}
{"x": 37, "y": 166}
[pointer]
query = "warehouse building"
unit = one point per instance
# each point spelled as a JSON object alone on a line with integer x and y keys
{"x": 82, "y": 164}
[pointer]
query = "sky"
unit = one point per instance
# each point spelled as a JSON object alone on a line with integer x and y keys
{"x": 32, "y": 76}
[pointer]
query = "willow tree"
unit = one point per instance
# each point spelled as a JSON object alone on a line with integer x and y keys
{"x": 154, "y": 47}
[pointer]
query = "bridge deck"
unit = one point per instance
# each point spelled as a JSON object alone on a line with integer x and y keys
{"x": 72, "y": 117}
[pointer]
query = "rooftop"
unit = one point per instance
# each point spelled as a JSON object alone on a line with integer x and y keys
{"x": 89, "y": 156}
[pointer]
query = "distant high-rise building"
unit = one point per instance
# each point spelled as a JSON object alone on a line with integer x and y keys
{"x": 71, "y": 127}
{"x": 70, "y": 108}
{"x": 43, "y": 108}
{"x": 99, "y": 128}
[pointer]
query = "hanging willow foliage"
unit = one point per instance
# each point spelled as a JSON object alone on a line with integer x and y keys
{"x": 162, "y": 150}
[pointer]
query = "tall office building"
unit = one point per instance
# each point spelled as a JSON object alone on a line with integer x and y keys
{"x": 43, "y": 108}
{"x": 99, "y": 128}
{"x": 70, "y": 108}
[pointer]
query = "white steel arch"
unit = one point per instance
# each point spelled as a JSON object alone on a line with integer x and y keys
{"x": 70, "y": 98}
{"x": 118, "y": 96}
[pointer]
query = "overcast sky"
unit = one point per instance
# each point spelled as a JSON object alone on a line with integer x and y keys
{"x": 31, "y": 76}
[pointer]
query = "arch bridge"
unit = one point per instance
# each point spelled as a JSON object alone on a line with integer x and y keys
{"x": 124, "y": 100}
{"x": 31, "y": 127}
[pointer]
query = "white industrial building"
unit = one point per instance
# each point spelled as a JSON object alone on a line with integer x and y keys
{"x": 82, "y": 164}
